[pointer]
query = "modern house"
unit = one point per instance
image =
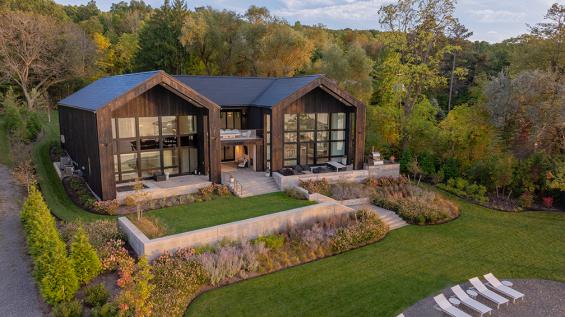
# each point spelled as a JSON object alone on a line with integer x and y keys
{"x": 142, "y": 125}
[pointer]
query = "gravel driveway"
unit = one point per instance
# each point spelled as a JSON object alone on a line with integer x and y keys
{"x": 18, "y": 293}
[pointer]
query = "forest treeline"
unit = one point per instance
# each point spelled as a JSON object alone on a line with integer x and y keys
{"x": 445, "y": 106}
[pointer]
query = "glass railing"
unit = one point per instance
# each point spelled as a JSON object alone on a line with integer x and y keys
{"x": 238, "y": 134}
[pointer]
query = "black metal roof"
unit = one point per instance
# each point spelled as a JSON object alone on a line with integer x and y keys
{"x": 223, "y": 90}
{"x": 104, "y": 90}
{"x": 246, "y": 91}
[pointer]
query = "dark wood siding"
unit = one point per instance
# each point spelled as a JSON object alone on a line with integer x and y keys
{"x": 81, "y": 142}
{"x": 317, "y": 100}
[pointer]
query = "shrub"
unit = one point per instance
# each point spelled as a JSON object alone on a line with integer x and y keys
{"x": 320, "y": 186}
{"x": 134, "y": 298}
{"x": 450, "y": 168}
{"x": 83, "y": 257}
{"x": 106, "y": 310}
{"x": 52, "y": 268}
{"x": 106, "y": 207}
{"x": 272, "y": 241}
{"x": 60, "y": 282}
{"x": 32, "y": 127}
{"x": 526, "y": 199}
{"x": 344, "y": 191}
{"x": 177, "y": 279}
{"x": 416, "y": 205}
{"x": 221, "y": 190}
{"x": 366, "y": 229}
{"x": 461, "y": 187}
{"x": 386, "y": 181}
{"x": 96, "y": 295}
{"x": 293, "y": 192}
{"x": 67, "y": 309}
{"x": 112, "y": 254}
{"x": 99, "y": 232}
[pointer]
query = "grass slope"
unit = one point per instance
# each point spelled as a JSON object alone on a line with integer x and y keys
{"x": 57, "y": 199}
{"x": 222, "y": 210}
{"x": 408, "y": 265}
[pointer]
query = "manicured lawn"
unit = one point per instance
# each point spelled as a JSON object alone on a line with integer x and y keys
{"x": 222, "y": 210}
{"x": 408, "y": 265}
{"x": 57, "y": 199}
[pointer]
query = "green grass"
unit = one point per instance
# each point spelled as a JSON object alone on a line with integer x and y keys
{"x": 5, "y": 158}
{"x": 222, "y": 210}
{"x": 57, "y": 199}
{"x": 410, "y": 264}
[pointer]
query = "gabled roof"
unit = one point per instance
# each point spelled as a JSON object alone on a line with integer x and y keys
{"x": 207, "y": 91}
{"x": 246, "y": 91}
{"x": 105, "y": 90}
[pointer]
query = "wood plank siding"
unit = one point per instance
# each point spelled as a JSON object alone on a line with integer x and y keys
{"x": 78, "y": 130}
{"x": 319, "y": 100}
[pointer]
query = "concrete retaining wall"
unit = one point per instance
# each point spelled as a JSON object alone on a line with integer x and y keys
{"x": 240, "y": 230}
{"x": 387, "y": 170}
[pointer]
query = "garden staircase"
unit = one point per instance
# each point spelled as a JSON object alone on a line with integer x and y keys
{"x": 260, "y": 186}
{"x": 387, "y": 216}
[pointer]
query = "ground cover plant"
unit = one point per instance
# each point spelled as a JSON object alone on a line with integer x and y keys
{"x": 415, "y": 204}
{"x": 222, "y": 210}
{"x": 463, "y": 188}
{"x": 414, "y": 262}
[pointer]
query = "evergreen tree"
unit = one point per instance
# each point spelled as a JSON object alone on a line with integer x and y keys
{"x": 83, "y": 257}
{"x": 159, "y": 44}
{"x": 60, "y": 282}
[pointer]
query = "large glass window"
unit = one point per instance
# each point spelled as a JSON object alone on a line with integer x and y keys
{"x": 268, "y": 141}
{"x": 314, "y": 138}
{"x": 187, "y": 124}
{"x": 148, "y": 126}
{"x": 126, "y": 128}
{"x": 230, "y": 119}
{"x": 146, "y": 146}
{"x": 169, "y": 125}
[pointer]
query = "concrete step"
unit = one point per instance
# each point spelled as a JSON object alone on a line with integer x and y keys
{"x": 387, "y": 216}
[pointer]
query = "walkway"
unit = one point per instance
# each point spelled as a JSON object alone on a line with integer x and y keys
{"x": 389, "y": 217}
{"x": 18, "y": 294}
{"x": 253, "y": 183}
{"x": 542, "y": 298}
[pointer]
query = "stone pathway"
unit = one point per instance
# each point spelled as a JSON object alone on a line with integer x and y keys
{"x": 389, "y": 217}
{"x": 18, "y": 292}
{"x": 542, "y": 298}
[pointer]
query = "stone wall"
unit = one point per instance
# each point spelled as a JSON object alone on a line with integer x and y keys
{"x": 240, "y": 230}
{"x": 386, "y": 170}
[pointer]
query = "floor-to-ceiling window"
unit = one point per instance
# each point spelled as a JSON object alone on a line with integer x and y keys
{"x": 313, "y": 138}
{"x": 229, "y": 120}
{"x": 146, "y": 146}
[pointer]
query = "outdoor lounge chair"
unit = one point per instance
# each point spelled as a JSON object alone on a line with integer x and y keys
{"x": 449, "y": 309}
{"x": 497, "y": 285}
{"x": 487, "y": 293}
{"x": 469, "y": 302}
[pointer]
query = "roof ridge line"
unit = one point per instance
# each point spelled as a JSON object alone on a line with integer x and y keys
{"x": 250, "y": 77}
{"x": 263, "y": 92}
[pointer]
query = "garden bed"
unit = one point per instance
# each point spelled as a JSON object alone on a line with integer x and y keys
{"x": 203, "y": 268}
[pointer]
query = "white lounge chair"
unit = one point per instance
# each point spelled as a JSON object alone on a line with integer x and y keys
{"x": 469, "y": 302}
{"x": 497, "y": 285}
{"x": 449, "y": 309}
{"x": 487, "y": 293}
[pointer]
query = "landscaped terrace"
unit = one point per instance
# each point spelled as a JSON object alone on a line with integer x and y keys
{"x": 221, "y": 210}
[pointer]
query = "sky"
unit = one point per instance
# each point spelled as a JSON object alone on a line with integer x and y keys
{"x": 490, "y": 20}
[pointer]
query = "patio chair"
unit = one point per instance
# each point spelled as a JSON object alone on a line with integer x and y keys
{"x": 449, "y": 309}
{"x": 487, "y": 293}
{"x": 469, "y": 302}
{"x": 243, "y": 163}
{"x": 497, "y": 285}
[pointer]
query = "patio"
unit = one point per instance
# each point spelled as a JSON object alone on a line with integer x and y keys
{"x": 178, "y": 185}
